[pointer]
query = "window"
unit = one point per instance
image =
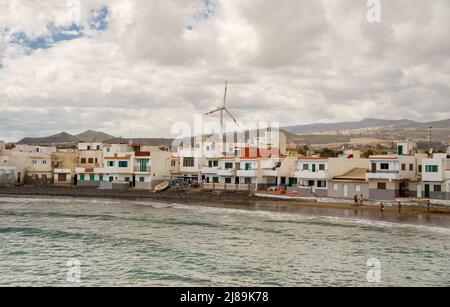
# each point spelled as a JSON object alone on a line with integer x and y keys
{"x": 83, "y": 161}
{"x": 215, "y": 179}
{"x": 227, "y": 180}
{"x": 188, "y": 162}
{"x": 248, "y": 166}
{"x": 141, "y": 179}
{"x": 91, "y": 160}
{"x": 100, "y": 178}
{"x": 92, "y": 177}
{"x": 123, "y": 163}
{"x": 98, "y": 147}
{"x": 108, "y": 149}
{"x": 437, "y": 188}
{"x": 81, "y": 177}
{"x": 34, "y": 162}
{"x": 89, "y": 148}
{"x": 248, "y": 180}
{"x": 431, "y": 168}
{"x": 173, "y": 163}
{"x": 411, "y": 167}
{"x": 111, "y": 178}
{"x": 381, "y": 185}
{"x": 310, "y": 183}
{"x": 44, "y": 162}
{"x": 216, "y": 163}
{"x": 321, "y": 167}
{"x": 110, "y": 163}
{"x": 44, "y": 177}
{"x": 35, "y": 177}
{"x": 335, "y": 187}
{"x": 358, "y": 188}
{"x": 419, "y": 168}
{"x": 305, "y": 167}
{"x": 384, "y": 166}
{"x": 321, "y": 184}
{"x": 228, "y": 165}
{"x": 213, "y": 163}
{"x": 127, "y": 179}
{"x": 96, "y": 160}
{"x": 403, "y": 167}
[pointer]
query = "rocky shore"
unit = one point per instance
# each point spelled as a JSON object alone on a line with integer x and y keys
{"x": 170, "y": 195}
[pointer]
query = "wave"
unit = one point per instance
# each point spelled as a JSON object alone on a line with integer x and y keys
{"x": 269, "y": 215}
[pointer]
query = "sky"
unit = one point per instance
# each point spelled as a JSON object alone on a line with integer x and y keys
{"x": 135, "y": 67}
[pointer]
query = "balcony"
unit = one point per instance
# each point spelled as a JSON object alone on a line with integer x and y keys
{"x": 247, "y": 173}
{"x": 323, "y": 175}
{"x": 384, "y": 174}
{"x": 209, "y": 170}
{"x": 142, "y": 169}
{"x": 230, "y": 172}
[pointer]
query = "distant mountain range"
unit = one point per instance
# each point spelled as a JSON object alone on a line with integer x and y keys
{"x": 334, "y": 127}
{"x": 67, "y": 138}
{"x": 322, "y": 133}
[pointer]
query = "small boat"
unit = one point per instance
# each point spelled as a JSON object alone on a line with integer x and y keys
{"x": 162, "y": 186}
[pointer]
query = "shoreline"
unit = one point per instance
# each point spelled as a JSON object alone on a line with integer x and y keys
{"x": 211, "y": 197}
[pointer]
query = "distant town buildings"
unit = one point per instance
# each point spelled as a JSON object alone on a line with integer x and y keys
{"x": 247, "y": 164}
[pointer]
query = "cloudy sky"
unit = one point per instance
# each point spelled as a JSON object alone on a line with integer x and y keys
{"x": 134, "y": 67}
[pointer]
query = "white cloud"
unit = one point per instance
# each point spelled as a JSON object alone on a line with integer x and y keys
{"x": 291, "y": 61}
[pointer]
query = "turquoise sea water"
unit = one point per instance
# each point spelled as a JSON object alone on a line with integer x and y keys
{"x": 144, "y": 243}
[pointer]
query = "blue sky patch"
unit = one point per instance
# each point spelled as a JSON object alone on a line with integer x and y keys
{"x": 207, "y": 12}
{"x": 99, "y": 19}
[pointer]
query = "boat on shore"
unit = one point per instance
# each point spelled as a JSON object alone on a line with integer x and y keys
{"x": 162, "y": 186}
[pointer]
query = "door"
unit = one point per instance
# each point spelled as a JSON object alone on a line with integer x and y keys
{"x": 62, "y": 177}
{"x": 345, "y": 190}
{"x": 19, "y": 175}
{"x": 314, "y": 168}
{"x": 374, "y": 167}
{"x": 427, "y": 191}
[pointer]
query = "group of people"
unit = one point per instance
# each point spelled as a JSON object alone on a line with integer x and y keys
{"x": 359, "y": 199}
{"x": 399, "y": 206}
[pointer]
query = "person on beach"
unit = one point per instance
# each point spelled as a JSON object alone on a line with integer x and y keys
{"x": 356, "y": 199}
{"x": 429, "y": 205}
{"x": 382, "y": 207}
{"x": 361, "y": 199}
{"x": 399, "y": 207}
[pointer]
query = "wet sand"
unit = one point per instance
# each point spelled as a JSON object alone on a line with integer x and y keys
{"x": 407, "y": 214}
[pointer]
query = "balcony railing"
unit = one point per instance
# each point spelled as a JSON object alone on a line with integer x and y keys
{"x": 384, "y": 172}
{"x": 143, "y": 169}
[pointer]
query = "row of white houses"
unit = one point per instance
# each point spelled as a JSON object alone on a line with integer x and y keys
{"x": 235, "y": 167}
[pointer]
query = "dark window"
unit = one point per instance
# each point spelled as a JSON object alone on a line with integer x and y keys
{"x": 141, "y": 179}
{"x": 381, "y": 186}
{"x": 188, "y": 162}
{"x": 89, "y": 148}
{"x": 228, "y": 165}
{"x": 321, "y": 167}
{"x": 403, "y": 167}
{"x": 310, "y": 183}
{"x": 420, "y": 169}
{"x": 248, "y": 180}
{"x": 83, "y": 160}
{"x": 437, "y": 188}
{"x": 305, "y": 167}
{"x": 174, "y": 163}
{"x": 321, "y": 184}
{"x": 431, "y": 168}
{"x": 227, "y": 180}
{"x": 384, "y": 166}
{"x": 91, "y": 160}
{"x": 98, "y": 147}
{"x": 123, "y": 163}
{"x": 216, "y": 179}
{"x": 411, "y": 167}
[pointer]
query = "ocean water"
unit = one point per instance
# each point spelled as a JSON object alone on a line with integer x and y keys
{"x": 95, "y": 242}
